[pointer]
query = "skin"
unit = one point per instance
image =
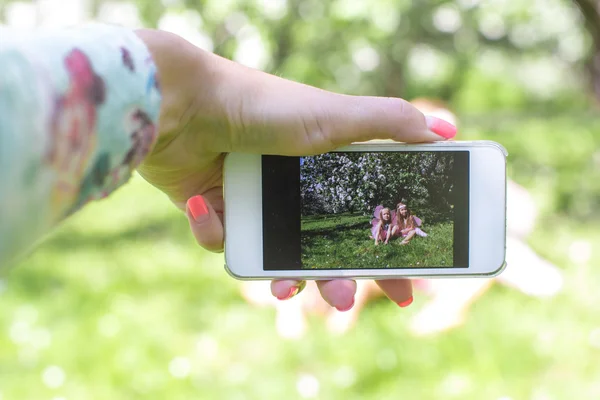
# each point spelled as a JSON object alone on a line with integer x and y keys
{"x": 212, "y": 106}
{"x": 409, "y": 236}
{"x": 385, "y": 217}
{"x": 409, "y": 232}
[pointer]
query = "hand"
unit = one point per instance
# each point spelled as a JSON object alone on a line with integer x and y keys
{"x": 212, "y": 106}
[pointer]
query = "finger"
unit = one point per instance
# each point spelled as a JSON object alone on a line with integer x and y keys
{"x": 329, "y": 121}
{"x": 363, "y": 118}
{"x": 398, "y": 290}
{"x": 270, "y": 115}
{"x": 339, "y": 293}
{"x": 286, "y": 289}
{"x": 205, "y": 223}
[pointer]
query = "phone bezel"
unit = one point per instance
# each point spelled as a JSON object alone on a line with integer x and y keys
{"x": 487, "y": 231}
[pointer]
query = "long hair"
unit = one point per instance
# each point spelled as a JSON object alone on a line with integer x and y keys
{"x": 410, "y": 221}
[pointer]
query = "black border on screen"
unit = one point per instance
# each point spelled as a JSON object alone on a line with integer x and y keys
{"x": 281, "y": 213}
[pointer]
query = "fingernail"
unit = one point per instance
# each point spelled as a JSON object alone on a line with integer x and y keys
{"x": 198, "y": 208}
{"x": 406, "y": 302}
{"x": 294, "y": 290}
{"x": 347, "y": 308}
{"x": 440, "y": 127}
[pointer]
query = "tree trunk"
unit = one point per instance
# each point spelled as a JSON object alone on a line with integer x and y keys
{"x": 590, "y": 9}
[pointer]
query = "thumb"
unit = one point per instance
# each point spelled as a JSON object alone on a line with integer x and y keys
{"x": 271, "y": 115}
{"x": 363, "y": 118}
{"x": 205, "y": 223}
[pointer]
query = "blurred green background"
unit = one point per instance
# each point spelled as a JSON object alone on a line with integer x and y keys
{"x": 121, "y": 304}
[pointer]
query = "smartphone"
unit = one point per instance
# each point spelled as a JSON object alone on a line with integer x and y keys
{"x": 376, "y": 210}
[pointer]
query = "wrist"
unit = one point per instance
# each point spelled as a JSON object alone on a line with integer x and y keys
{"x": 193, "y": 84}
{"x": 174, "y": 59}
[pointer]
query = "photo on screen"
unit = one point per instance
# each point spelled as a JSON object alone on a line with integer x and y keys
{"x": 379, "y": 209}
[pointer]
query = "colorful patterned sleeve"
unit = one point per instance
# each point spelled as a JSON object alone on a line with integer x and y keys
{"x": 78, "y": 112}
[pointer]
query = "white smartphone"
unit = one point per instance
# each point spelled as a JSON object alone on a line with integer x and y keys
{"x": 372, "y": 210}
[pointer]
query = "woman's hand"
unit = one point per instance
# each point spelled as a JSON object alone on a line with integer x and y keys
{"x": 212, "y": 106}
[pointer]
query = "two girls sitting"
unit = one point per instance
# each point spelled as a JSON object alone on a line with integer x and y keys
{"x": 388, "y": 224}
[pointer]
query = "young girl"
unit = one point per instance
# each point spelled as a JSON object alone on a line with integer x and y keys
{"x": 407, "y": 225}
{"x": 382, "y": 227}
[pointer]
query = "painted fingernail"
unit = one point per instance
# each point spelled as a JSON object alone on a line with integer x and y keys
{"x": 347, "y": 308}
{"x": 198, "y": 208}
{"x": 294, "y": 290}
{"x": 440, "y": 127}
{"x": 406, "y": 302}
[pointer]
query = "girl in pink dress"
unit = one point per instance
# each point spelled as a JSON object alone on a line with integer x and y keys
{"x": 407, "y": 225}
{"x": 382, "y": 226}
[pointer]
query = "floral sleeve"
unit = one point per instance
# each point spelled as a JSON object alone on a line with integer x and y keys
{"x": 78, "y": 112}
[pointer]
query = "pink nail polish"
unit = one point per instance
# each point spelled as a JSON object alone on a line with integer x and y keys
{"x": 347, "y": 308}
{"x": 198, "y": 208}
{"x": 406, "y": 302}
{"x": 440, "y": 127}
{"x": 291, "y": 293}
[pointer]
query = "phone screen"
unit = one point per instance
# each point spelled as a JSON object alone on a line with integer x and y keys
{"x": 350, "y": 210}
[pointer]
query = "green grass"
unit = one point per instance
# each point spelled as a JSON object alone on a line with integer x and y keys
{"x": 342, "y": 241}
{"x": 122, "y": 290}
